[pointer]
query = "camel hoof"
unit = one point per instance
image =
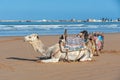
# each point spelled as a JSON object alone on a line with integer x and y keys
{"x": 95, "y": 55}
{"x": 67, "y": 61}
{"x": 92, "y": 60}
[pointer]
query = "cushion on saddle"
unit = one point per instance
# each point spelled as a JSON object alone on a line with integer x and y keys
{"x": 74, "y": 43}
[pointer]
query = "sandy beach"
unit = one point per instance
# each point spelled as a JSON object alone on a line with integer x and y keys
{"x": 18, "y": 62}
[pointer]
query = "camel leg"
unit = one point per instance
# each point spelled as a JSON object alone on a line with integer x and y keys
{"x": 96, "y": 53}
{"x": 53, "y": 60}
{"x": 66, "y": 56}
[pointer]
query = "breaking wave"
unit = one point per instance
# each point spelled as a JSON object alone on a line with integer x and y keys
{"x": 21, "y": 30}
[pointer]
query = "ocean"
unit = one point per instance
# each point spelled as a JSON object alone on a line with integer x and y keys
{"x": 56, "y": 28}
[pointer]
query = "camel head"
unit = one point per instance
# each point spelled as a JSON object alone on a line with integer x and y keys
{"x": 31, "y": 37}
{"x": 37, "y": 44}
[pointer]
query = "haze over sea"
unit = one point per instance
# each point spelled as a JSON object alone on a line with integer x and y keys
{"x": 55, "y": 28}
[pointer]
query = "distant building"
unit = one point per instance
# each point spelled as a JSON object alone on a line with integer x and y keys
{"x": 115, "y": 20}
{"x": 91, "y": 20}
{"x": 73, "y": 20}
{"x": 79, "y": 20}
{"x": 118, "y": 19}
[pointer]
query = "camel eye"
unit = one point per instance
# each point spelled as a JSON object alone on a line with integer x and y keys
{"x": 29, "y": 36}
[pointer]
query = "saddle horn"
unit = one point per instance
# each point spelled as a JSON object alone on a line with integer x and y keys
{"x": 65, "y": 34}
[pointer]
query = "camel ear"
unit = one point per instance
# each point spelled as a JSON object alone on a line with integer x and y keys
{"x": 61, "y": 37}
{"x": 37, "y": 37}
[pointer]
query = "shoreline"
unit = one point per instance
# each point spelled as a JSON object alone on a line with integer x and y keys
{"x": 58, "y": 34}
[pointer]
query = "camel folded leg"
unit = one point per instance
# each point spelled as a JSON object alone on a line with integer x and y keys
{"x": 52, "y": 60}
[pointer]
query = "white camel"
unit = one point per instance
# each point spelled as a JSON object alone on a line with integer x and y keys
{"x": 57, "y": 51}
{"x": 36, "y": 43}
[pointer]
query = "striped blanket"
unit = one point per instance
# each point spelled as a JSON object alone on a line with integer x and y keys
{"x": 74, "y": 43}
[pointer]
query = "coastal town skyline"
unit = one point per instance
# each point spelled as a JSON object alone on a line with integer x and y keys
{"x": 67, "y": 20}
{"x": 59, "y": 9}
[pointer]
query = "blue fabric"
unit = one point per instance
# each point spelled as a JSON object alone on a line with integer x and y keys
{"x": 74, "y": 43}
{"x": 100, "y": 38}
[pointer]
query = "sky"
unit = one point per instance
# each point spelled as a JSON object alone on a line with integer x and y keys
{"x": 58, "y": 9}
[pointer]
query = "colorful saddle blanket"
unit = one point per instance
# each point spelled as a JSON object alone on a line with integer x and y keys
{"x": 74, "y": 43}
